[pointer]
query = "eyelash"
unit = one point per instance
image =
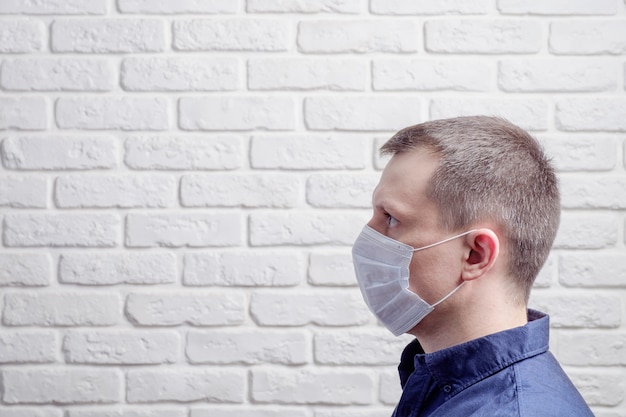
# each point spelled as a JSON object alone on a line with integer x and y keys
{"x": 390, "y": 219}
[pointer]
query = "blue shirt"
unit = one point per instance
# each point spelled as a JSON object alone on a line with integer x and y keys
{"x": 510, "y": 373}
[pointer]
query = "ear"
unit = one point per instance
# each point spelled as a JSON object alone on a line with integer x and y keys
{"x": 484, "y": 249}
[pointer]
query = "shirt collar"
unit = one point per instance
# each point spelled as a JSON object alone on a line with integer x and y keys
{"x": 457, "y": 367}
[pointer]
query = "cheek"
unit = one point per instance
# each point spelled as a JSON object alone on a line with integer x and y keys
{"x": 432, "y": 275}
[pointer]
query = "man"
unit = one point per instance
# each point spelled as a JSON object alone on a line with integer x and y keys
{"x": 464, "y": 217}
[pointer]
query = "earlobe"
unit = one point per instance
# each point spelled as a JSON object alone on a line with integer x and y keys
{"x": 484, "y": 248}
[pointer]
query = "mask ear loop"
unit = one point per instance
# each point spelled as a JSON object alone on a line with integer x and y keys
{"x": 449, "y": 295}
{"x": 443, "y": 241}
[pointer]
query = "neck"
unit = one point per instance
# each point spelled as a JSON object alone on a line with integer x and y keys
{"x": 448, "y": 327}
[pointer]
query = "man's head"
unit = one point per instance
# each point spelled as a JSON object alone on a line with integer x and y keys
{"x": 490, "y": 171}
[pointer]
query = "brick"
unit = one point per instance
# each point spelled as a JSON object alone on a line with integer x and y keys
{"x": 599, "y": 387}
{"x": 23, "y": 192}
{"x": 586, "y": 231}
{"x": 123, "y": 113}
{"x": 196, "y": 309}
{"x": 361, "y": 347}
{"x": 118, "y": 268}
{"x": 605, "y": 269}
{"x": 128, "y": 412}
{"x": 28, "y": 347}
{"x": 185, "y": 385}
{"x": 588, "y": 37}
{"x": 25, "y": 269}
{"x": 558, "y": 7}
{"x": 424, "y": 7}
{"x": 255, "y": 411}
{"x": 59, "y": 74}
{"x": 591, "y": 114}
{"x": 59, "y": 152}
{"x": 108, "y": 35}
{"x": 184, "y": 153}
{"x": 361, "y": 113}
{"x": 307, "y": 74}
{"x": 586, "y": 153}
{"x": 311, "y": 6}
{"x": 248, "y": 347}
{"x": 240, "y": 190}
{"x": 177, "y": 6}
{"x": 358, "y": 36}
{"x": 179, "y": 74}
{"x": 322, "y": 308}
{"x": 61, "y": 230}
{"x": 263, "y": 35}
{"x": 247, "y": 269}
{"x": 67, "y": 7}
{"x": 579, "y": 311}
{"x": 390, "y": 389}
{"x": 21, "y": 35}
{"x": 307, "y": 152}
{"x": 62, "y": 386}
{"x": 552, "y": 75}
{"x": 128, "y": 347}
{"x": 304, "y": 228}
{"x": 430, "y": 75}
{"x": 30, "y": 412}
{"x": 530, "y": 114}
{"x": 305, "y": 386}
{"x": 483, "y": 36}
{"x": 190, "y": 229}
{"x": 115, "y": 191}
{"x": 340, "y": 190}
{"x": 62, "y": 309}
{"x": 592, "y": 348}
{"x": 585, "y": 191}
{"x": 331, "y": 269}
{"x": 23, "y": 113}
{"x": 236, "y": 113}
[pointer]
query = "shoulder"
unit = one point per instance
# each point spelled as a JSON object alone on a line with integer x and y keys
{"x": 543, "y": 388}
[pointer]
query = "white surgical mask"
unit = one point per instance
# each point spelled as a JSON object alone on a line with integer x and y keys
{"x": 382, "y": 271}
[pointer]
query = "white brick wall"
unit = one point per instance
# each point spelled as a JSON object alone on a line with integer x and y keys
{"x": 181, "y": 181}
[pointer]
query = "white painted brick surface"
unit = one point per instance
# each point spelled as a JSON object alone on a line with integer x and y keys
{"x": 22, "y": 35}
{"x": 30, "y": 346}
{"x": 121, "y": 347}
{"x": 107, "y": 35}
{"x": 181, "y": 182}
{"x": 214, "y": 190}
{"x": 247, "y": 269}
{"x": 197, "y": 309}
{"x": 25, "y": 269}
{"x": 59, "y": 152}
{"x": 23, "y": 113}
{"x": 185, "y": 385}
{"x": 179, "y": 74}
{"x": 106, "y": 191}
{"x": 231, "y": 35}
{"x": 501, "y": 36}
{"x": 430, "y": 75}
{"x": 247, "y": 347}
{"x": 117, "y": 268}
{"x": 124, "y": 113}
{"x": 62, "y": 386}
{"x": 334, "y": 36}
{"x": 296, "y": 386}
{"x": 63, "y": 229}
{"x": 593, "y": 36}
{"x": 184, "y": 153}
{"x": 65, "y": 74}
{"x": 61, "y": 309}
{"x": 188, "y": 229}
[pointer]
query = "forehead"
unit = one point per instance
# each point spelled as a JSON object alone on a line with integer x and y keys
{"x": 405, "y": 179}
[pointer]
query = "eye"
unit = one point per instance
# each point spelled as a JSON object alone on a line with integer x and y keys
{"x": 391, "y": 221}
